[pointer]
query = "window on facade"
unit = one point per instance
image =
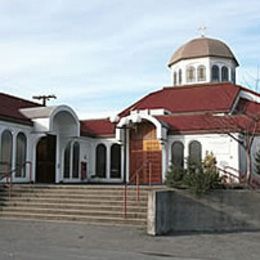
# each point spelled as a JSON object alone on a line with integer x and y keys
{"x": 101, "y": 161}
{"x": 180, "y": 76}
{"x": 195, "y": 152}
{"x": 66, "y": 162}
{"x": 201, "y": 73}
{"x": 6, "y": 150}
{"x": 115, "y": 161}
{"x": 75, "y": 160}
{"x": 224, "y": 73}
{"x": 21, "y": 145}
{"x": 190, "y": 74}
{"x": 175, "y": 78}
{"x": 178, "y": 154}
{"x": 215, "y": 73}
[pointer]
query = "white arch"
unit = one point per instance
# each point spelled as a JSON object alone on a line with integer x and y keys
{"x": 161, "y": 131}
{"x": 62, "y": 109}
{"x": 43, "y": 117}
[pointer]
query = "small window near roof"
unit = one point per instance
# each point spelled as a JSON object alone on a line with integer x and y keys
{"x": 190, "y": 74}
{"x": 201, "y": 73}
{"x": 224, "y": 73}
{"x": 215, "y": 73}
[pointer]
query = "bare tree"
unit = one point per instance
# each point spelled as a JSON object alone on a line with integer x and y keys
{"x": 242, "y": 127}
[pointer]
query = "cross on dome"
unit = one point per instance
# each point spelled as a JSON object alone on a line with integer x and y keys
{"x": 202, "y": 30}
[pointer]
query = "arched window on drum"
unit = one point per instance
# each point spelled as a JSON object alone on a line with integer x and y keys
{"x": 215, "y": 73}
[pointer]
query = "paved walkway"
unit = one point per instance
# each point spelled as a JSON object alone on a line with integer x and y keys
{"x": 23, "y": 240}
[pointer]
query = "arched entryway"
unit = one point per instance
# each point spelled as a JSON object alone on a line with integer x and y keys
{"x": 46, "y": 159}
{"x": 145, "y": 149}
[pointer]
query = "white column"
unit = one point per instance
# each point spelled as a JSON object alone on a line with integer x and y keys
{"x": 164, "y": 159}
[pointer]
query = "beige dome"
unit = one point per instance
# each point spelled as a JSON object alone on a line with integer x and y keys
{"x": 202, "y": 47}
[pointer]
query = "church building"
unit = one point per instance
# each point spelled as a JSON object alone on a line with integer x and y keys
{"x": 196, "y": 114}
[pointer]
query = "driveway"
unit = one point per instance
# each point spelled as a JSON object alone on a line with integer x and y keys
{"x": 25, "y": 240}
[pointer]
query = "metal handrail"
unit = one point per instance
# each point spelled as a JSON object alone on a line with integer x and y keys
{"x": 9, "y": 174}
{"x": 5, "y": 172}
{"x": 226, "y": 171}
{"x": 137, "y": 183}
{"x": 240, "y": 174}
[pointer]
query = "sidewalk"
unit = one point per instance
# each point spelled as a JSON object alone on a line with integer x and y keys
{"x": 23, "y": 240}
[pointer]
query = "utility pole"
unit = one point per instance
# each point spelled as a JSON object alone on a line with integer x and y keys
{"x": 44, "y": 98}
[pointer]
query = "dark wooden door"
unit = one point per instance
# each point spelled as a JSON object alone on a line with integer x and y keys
{"x": 46, "y": 159}
{"x": 145, "y": 149}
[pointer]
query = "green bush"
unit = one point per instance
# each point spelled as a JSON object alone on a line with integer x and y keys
{"x": 202, "y": 181}
{"x": 174, "y": 177}
{"x": 203, "y": 177}
{"x": 200, "y": 178}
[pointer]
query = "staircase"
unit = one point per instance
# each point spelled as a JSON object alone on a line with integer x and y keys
{"x": 95, "y": 204}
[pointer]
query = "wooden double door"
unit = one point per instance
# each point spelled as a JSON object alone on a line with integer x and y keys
{"x": 46, "y": 159}
{"x": 145, "y": 154}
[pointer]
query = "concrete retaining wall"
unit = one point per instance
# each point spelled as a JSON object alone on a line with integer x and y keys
{"x": 222, "y": 210}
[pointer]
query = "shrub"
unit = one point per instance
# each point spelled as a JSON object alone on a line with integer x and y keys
{"x": 200, "y": 178}
{"x": 203, "y": 177}
{"x": 174, "y": 177}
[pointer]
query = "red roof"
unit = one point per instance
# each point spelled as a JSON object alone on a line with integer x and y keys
{"x": 247, "y": 107}
{"x": 194, "y": 98}
{"x": 9, "y": 108}
{"x": 208, "y": 123}
{"x": 97, "y": 127}
{"x": 192, "y": 107}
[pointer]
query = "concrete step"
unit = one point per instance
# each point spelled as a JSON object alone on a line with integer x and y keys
{"x": 75, "y": 218}
{"x": 81, "y": 203}
{"x": 142, "y": 203}
{"x": 131, "y": 192}
{"x": 75, "y": 196}
{"x": 62, "y": 205}
{"x": 75, "y": 212}
{"x": 81, "y": 187}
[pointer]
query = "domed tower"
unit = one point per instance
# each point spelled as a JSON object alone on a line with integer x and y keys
{"x": 203, "y": 60}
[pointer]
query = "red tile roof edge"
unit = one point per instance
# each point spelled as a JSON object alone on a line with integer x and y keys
{"x": 16, "y": 120}
{"x": 21, "y": 99}
{"x": 196, "y": 86}
{"x": 98, "y": 128}
{"x": 207, "y": 123}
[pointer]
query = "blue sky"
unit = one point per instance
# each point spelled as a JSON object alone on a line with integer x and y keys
{"x": 99, "y": 56}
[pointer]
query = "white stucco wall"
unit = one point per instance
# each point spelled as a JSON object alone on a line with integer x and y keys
{"x": 88, "y": 147}
{"x": 225, "y": 149}
{"x": 208, "y": 62}
{"x": 15, "y": 129}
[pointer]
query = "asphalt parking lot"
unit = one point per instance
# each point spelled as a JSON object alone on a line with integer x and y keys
{"x": 26, "y": 240}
